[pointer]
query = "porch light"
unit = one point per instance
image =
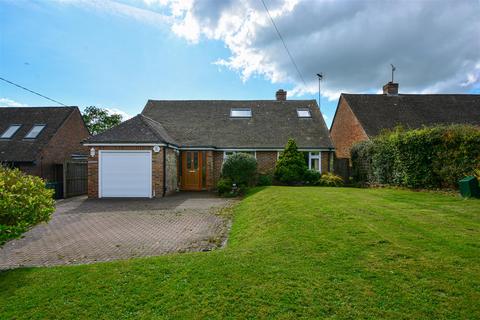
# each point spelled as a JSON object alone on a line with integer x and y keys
{"x": 92, "y": 152}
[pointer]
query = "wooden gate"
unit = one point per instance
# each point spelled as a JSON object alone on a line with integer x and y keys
{"x": 74, "y": 178}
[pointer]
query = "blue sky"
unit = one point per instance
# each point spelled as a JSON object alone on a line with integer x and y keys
{"x": 119, "y": 54}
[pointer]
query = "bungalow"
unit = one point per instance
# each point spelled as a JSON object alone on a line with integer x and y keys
{"x": 360, "y": 117}
{"x": 38, "y": 140}
{"x": 181, "y": 145}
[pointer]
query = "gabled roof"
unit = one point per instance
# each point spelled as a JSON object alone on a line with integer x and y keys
{"x": 207, "y": 123}
{"x": 20, "y": 149}
{"x": 195, "y": 123}
{"x": 376, "y": 112}
{"x": 139, "y": 129}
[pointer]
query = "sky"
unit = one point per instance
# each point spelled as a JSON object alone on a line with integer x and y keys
{"x": 119, "y": 54}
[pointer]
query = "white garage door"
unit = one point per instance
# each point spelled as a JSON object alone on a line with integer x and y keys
{"x": 125, "y": 174}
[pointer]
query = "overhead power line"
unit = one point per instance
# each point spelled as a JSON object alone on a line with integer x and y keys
{"x": 284, "y": 43}
{"x": 31, "y": 91}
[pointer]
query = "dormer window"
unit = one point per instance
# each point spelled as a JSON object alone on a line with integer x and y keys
{"x": 303, "y": 113}
{"x": 240, "y": 113}
{"x": 10, "y": 131}
{"x": 35, "y": 131}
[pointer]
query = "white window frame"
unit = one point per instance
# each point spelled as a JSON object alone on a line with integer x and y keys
{"x": 18, "y": 126}
{"x": 312, "y": 156}
{"x": 238, "y": 151}
{"x": 299, "y": 110}
{"x": 249, "y": 110}
{"x": 39, "y": 132}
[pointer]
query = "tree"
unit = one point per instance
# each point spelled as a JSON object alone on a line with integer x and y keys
{"x": 291, "y": 166}
{"x": 99, "y": 120}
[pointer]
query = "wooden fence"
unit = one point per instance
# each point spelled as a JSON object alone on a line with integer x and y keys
{"x": 74, "y": 178}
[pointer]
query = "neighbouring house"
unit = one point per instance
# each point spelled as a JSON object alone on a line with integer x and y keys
{"x": 360, "y": 117}
{"x": 38, "y": 140}
{"x": 181, "y": 145}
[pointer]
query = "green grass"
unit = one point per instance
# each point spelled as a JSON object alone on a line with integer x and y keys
{"x": 293, "y": 253}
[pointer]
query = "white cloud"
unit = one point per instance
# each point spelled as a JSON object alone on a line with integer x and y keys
{"x": 125, "y": 115}
{"x": 5, "y": 102}
{"x": 122, "y": 9}
{"x": 433, "y": 44}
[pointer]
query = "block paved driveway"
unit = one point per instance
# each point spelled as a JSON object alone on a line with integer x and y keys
{"x": 88, "y": 230}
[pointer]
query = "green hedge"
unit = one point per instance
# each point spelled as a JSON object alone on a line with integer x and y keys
{"x": 431, "y": 157}
{"x": 24, "y": 202}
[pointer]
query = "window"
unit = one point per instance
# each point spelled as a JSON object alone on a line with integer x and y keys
{"x": 313, "y": 160}
{"x": 241, "y": 113}
{"x": 226, "y": 154}
{"x": 10, "y": 131}
{"x": 303, "y": 113}
{"x": 35, "y": 131}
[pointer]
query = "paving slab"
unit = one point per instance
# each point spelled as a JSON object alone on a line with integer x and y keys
{"x": 90, "y": 230}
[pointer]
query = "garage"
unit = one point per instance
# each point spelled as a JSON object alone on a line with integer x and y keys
{"x": 125, "y": 173}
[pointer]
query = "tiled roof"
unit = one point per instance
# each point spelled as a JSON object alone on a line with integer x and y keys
{"x": 20, "y": 149}
{"x": 207, "y": 123}
{"x": 377, "y": 111}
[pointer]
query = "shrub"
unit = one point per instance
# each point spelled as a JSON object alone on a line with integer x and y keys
{"x": 330, "y": 180}
{"x": 265, "y": 180}
{"x": 24, "y": 202}
{"x": 291, "y": 166}
{"x": 224, "y": 185}
{"x": 361, "y": 154}
{"x": 430, "y": 157}
{"x": 311, "y": 177}
{"x": 241, "y": 168}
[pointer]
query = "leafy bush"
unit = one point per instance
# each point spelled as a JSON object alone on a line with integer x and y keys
{"x": 361, "y": 154}
{"x": 265, "y": 180}
{"x": 330, "y": 180}
{"x": 476, "y": 173}
{"x": 224, "y": 185}
{"x": 291, "y": 166}
{"x": 241, "y": 168}
{"x": 24, "y": 202}
{"x": 311, "y": 177}
{"x": 431, "y": 157}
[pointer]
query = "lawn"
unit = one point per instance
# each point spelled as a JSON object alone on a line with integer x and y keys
{"x": 292, "y": 253}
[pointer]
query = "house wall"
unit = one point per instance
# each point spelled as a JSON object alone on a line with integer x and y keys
{"x": 266, "y": 161}
{"x": 210, "y": 166}
{"x": 66, "y": 141}
{"x": 217, "y": 166}
{"x": 346, "y": 130}
{"x": 157, "y": 170}
{"x": 324, "y": 161}
{"x": 171, "y": 168}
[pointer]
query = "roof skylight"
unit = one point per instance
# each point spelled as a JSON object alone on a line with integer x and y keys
{"x": 35, "y": 131}
{"x": 303, "y": 113}
{"x": 241, "y": 113}
{"x": 7, "y": 134}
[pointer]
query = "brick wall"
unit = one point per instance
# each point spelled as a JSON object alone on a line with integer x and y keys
{"x": 172, "y": 167}
{"x": 66, "y": 141}
{"x": 211, "y": 182}
{"x": 266, "y": 161}
{"x": 157, "y": 170}
{"x": 346, "y": 130}
{"x": 217, "y": 166}
{"x": 324, "y": 161}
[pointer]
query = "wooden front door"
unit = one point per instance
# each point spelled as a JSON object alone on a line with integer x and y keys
{"x": 192, "y": 170}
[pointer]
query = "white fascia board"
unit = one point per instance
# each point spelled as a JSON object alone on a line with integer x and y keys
{"x": 125, "y": 144}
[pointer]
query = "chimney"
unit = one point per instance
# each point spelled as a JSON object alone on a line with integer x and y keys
{"x": 281, "y": 95}
{"x": 390, "y": 89}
